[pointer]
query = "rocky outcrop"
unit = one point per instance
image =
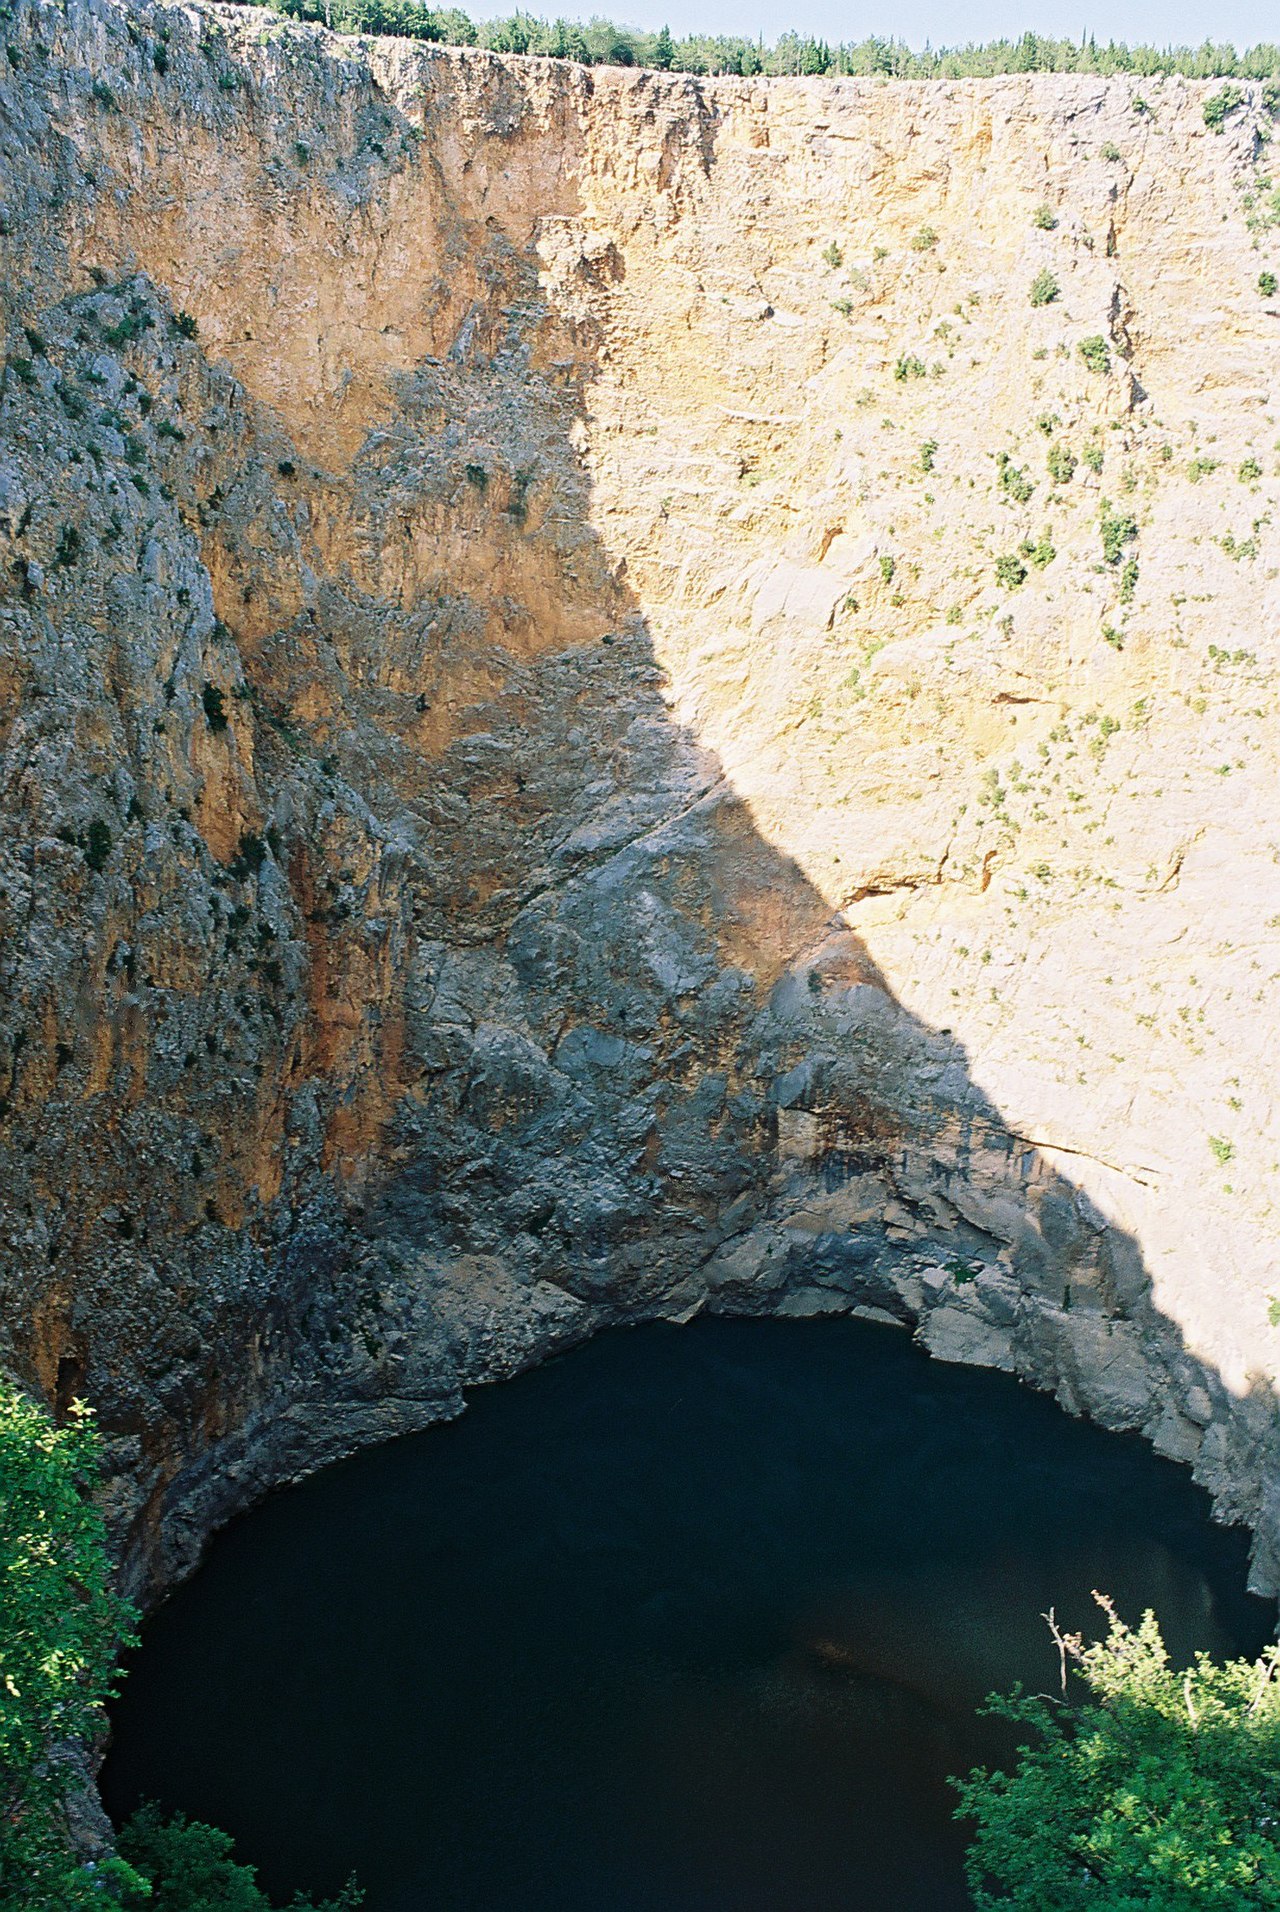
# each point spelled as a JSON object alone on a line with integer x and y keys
{"x": 601, "y": 716}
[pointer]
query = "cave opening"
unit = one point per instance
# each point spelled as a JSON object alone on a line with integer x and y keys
{"x": 696, "y": 1618}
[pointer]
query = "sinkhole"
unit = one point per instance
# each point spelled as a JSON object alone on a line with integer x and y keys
{"x": 691, "y": 1619}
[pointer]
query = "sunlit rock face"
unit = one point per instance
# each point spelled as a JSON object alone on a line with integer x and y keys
{"x": 601, "y": 716}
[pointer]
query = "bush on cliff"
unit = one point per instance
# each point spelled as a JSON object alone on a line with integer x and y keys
{"x": 61, "y": 1628}
{"x": 1158, "y": 1792}
{"x": 1219, "y": 107}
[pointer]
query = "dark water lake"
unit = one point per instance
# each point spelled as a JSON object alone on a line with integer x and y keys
{"x": 691, "y": 1620}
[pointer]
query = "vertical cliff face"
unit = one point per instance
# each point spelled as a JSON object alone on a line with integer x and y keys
{"x": 602, "y": 715}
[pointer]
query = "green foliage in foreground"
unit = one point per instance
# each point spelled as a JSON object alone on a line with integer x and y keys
{"x": 603, "y": 43}
{"x": 191, "y": 1868}
{"x": 61, "y": 1628}
{"x": 1158, "y": 1793}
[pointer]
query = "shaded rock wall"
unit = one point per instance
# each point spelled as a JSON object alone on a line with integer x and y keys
{"x": 526, "y": 803}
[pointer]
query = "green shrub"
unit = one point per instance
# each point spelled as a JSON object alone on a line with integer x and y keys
{"x": 1044, "y": 287}
{"x": 1128, "y": 580}
{"x": 1040, "y": 553}
{"x": 60, "y": 1627}
{"x": 97, "y": 845}
{"x": 908, "y": 366}
{"x": 833, "y": 256}
{"x": 1220, "y": 104}
{"x": 1250, "y": 471}
{"x": 924, "y": 240}
{"x": 1267, "y": 284}
{"x": 215, "y": 707}
{"x": 887, "y": 567}
{"x": 1095, "y": 354}
{"x": 1014, "y": 481}
{"x": 1201, "y": 467}
{"x": 1117, "y": 531}
{"x": 1044, "y": 219}
{"x": 928, "y": 452}
{"x": 184, "y": 325}
{"x": 191, "y": 1868}
{"x": 1061, "y": 461}
{"x": 135, "y": 322}
{"x": 1092, "y": 455}
{"x": 1219, "y": 658}
{"x": 1010, "y": 571}
{"x": 251, "y": 854}
{"x": 1110, "y": 151}
{"x": 1148, "y": 1795}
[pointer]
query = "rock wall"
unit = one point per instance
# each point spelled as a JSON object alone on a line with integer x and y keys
{"x": 601, "y": 715}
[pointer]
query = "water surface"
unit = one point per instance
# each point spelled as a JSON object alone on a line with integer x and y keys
{"x": 692, "y": 1620}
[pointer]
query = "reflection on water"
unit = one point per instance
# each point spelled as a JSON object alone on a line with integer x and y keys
{"x": 693, "y": 1620}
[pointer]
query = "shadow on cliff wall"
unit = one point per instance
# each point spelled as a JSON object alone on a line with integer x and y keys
{"x": 618, "y": 1059}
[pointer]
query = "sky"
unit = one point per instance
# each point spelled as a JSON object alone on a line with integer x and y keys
{"x": 1161, "y": 22}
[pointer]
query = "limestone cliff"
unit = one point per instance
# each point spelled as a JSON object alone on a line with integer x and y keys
{"x": 601, "y": 714}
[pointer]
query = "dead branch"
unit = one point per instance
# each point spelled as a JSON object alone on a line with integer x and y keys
{"x": 1068, "y": 1644}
